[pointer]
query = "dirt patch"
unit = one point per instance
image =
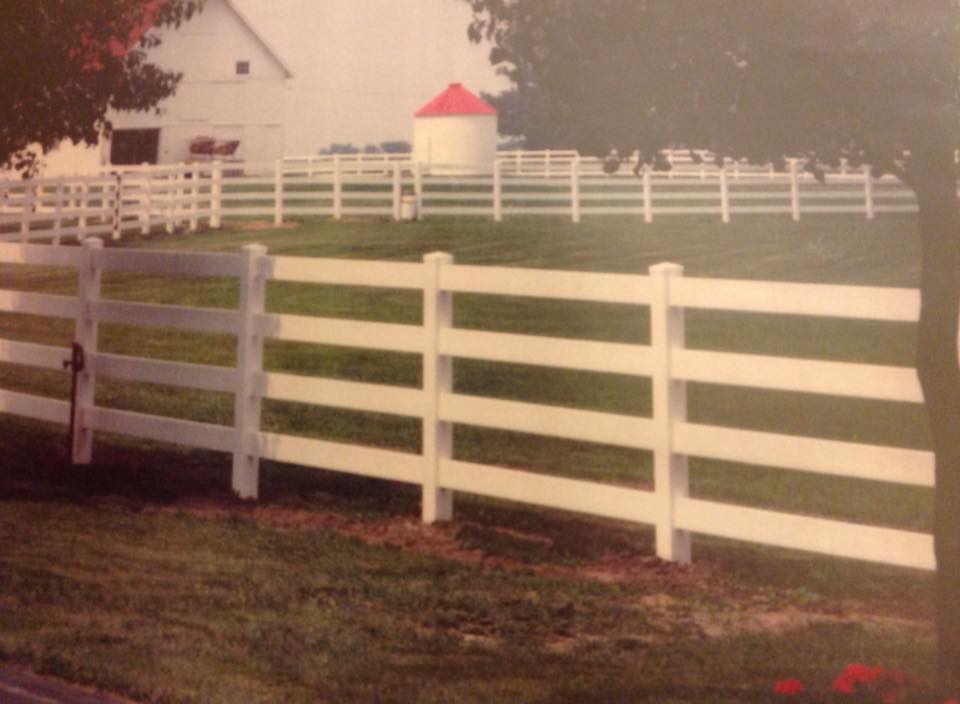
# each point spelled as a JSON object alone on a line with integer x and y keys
{"x": 686, "y": 597}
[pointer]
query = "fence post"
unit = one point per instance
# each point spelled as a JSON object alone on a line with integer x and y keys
{"x": 546, "y": 165}
{"x": 28, "y": 204}
{"x": 85, "y": 334}
{"x": 117, "y": 203}
{"x": 278, "y": 192}
{"x": 147, "y": 204}
{"x": 216, "y": 194}
{"x": 418, "y": 188}
{"x": 575, "y": 189}
{"x": 396, "y": 191}
{"x": 194, "y": 199}
{"x": 178, "y": 207}
{"x": 647, "y": 195}
{"x": 171, "y": 195}
{"x": 437, "y": 379}
{"x": 868, "y": 191}
{"x": 724, "y": 195}
{"x": 247, "y": 400}
{"x": 82, "y": 204}
{"x": 794, "y": 191}
{"x": 337, "y": 188}
{"x": 671, "y": 480}
{"x": 497, "y": 191}
{"x": 58, "y": 211}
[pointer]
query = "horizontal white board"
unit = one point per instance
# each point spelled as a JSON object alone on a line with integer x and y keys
{"x": 166, "y": 316}
{"x": 847, "y": 459}
{"x": 588, "y": 355}
{"x": 36, "y": 407}
{"x": 804, "y": 375}
{"x": 870, "y": 302}
{"x": 379, "y": 398}
{"x": 542, "y": 283}
{"x": 347, "y": 333}
{"x": 554, "y": 492}
{"x": 820, "y": 535}
{"x": 170, "y": 430}
{"x": 352, "y": 272}
{"x": 353, "y": 459}
{"x": 554, "y": 421}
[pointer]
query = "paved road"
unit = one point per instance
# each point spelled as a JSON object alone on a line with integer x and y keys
{"x": 20, "y": 686}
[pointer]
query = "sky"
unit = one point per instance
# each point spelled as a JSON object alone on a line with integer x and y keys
{"x": 362, "y": 67}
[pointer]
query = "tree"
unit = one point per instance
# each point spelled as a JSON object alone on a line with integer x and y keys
{"x": 874, "y": 81}
{"x": 66, "y": 63}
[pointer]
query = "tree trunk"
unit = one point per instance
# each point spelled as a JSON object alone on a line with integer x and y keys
{"x": 934, "y": 182}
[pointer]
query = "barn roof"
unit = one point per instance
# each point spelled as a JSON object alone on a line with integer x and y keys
{"x": 455, "y": 100}
{"x": 151, "y": 9}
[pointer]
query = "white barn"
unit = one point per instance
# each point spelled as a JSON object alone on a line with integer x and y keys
{"x": 233, "y": 90}
{"x": 233, "y": 94}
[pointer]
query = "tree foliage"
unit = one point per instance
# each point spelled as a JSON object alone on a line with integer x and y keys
{"x": 67, "y": 62}
{"x": 745, "y": 78}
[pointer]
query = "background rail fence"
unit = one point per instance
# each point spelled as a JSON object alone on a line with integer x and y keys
{"x": 130, "y": 200}
{"x": 436, "y": 468}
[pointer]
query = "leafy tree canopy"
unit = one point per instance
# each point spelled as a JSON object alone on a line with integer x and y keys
{"x": 66, "y": 62}
{"x": 758, "y": 79}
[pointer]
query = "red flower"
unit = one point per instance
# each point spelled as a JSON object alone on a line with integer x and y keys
{"x": 790, "y": 687}
{"x": 855, "y": 674}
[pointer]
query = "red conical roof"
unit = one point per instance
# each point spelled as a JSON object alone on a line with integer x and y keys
{"x": 455, "y": 100}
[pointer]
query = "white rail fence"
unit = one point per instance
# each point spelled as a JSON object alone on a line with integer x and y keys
{"x": 667, "y": 433}
{"x": 142, "y": 199}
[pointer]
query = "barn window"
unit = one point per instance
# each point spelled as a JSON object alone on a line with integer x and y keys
{"x": 243, "y": 68}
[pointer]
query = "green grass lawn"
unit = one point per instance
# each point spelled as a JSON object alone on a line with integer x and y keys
{"x": 108, "y": 575}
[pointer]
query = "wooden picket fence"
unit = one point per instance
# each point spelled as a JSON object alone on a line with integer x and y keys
{"x": 668, "y": 506}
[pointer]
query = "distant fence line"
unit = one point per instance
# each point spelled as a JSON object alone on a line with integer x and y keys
{"x": 666, "y": 361}
{"x": 141, "y": 199}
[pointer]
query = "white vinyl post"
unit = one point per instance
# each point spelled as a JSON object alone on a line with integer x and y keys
{"x": 670, "y": 473}
{"x": 147, "y": 203}
{"x": 58, "y": 211}
{"x": 278, "y": 192}
{"x": 546, "y": 164}
{"x": 794, "y": 191}
{"x": 117, "y": 204}
{"x": 216, "y": 195}
{"x": 418, "y": 188}
{"x": 337, "y": 188}
{"x": 497, "y": 191}
{"x": 647, "y": 195}
{"x": 195, "y": 200}
{"x": 247, "y": 399}
{"x": 178, "y": 207}
{"x": 724, "y": 195}
{"x": 82, "y": 204}
{"x": 27, "y": 212}
{"x": 170, "y": 193}
{"x": 85, "y": 334}
{"x": 868, "y": 191}
{"x": 575, "y": 189}
{"x": 396, "y": 191}
{"x": 437, "y": 380}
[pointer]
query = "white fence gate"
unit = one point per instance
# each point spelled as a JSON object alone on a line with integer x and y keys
{"x": 670, "y": 365}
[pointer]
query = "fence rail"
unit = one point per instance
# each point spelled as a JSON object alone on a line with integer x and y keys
{"x": 143, "y": 199}
{"x": 666, "y": 361}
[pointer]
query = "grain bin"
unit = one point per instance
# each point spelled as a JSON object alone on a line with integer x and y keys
{"x": 455, "y": 133}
